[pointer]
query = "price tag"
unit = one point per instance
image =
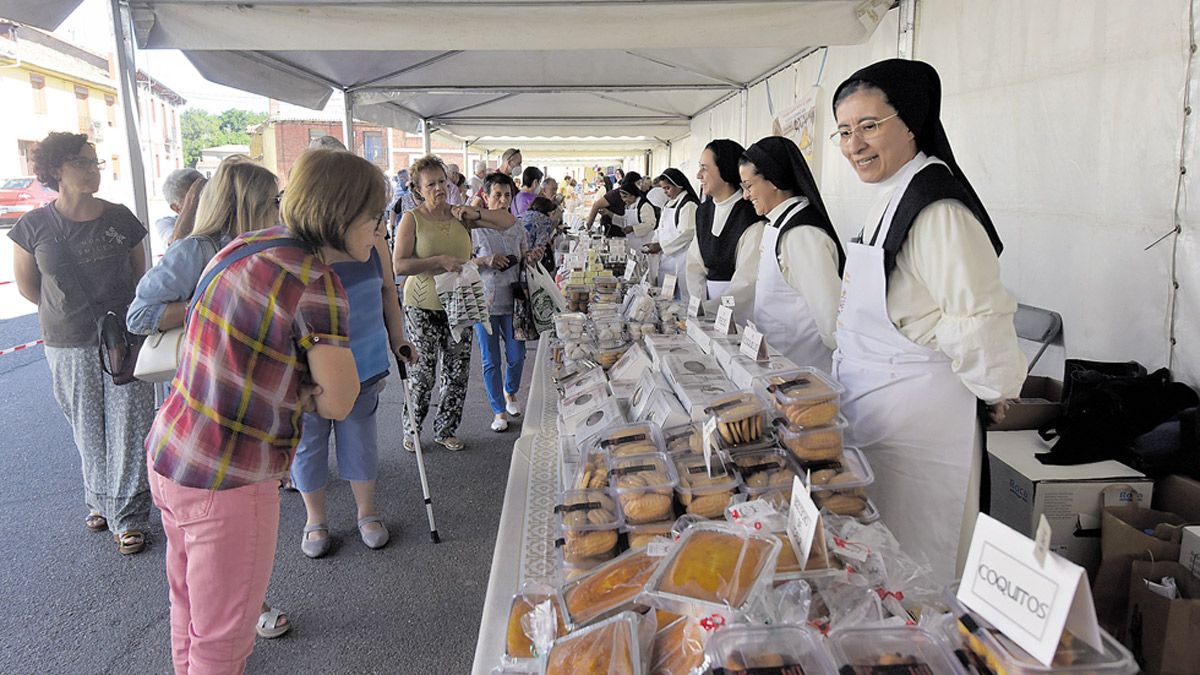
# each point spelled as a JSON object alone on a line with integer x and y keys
{"x": 724, "y": 324}
{"x": 695, "y": 307}
{"x": 1031, "y": 602}
{"x": 803, "y": 520}
{"x": 709, "y": 433}
{"x": 668, "y": 285}
{"x": 1042, "y": 540}
{"x": 728, "y": 301}
{"x": 753, "y": 345}
{"x": 659, "y": 547}
{"x": 756, "y": 514}
{"x": 630, "y": 269}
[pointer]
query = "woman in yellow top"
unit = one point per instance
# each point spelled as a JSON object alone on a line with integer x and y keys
{"x": 431, "y": 239}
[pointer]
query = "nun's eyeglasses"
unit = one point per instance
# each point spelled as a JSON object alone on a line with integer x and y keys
{"x": 865, "y": 129}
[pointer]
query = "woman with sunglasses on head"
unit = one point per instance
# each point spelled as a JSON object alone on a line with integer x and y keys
{"x": 432, "y": 239}
{"x": 78, "y": 258}
{"x": 925, "y": 330}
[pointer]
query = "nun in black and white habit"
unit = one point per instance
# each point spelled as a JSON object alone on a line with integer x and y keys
{"x": 925, "y": 329}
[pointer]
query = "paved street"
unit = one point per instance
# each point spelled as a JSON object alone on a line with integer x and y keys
{"x": 70, "y": 604}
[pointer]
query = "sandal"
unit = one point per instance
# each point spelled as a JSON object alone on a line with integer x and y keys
{"x": 95, "y": 522}
{"x": 268, "y": 625}
{"x": 374, "y": 539}
{"x": 409, "y": 445}
{"x": 315, "y": 548}
{"x": 450, "y": 443}
{"x": 130, "y": 542}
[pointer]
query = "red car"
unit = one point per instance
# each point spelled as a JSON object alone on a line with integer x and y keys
{"x": 18, "y": 196}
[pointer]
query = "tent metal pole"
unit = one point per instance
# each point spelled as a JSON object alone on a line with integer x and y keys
{"x": 426, "y": 141}
{"x": 127, "y": 78}
{"x": 348, "y": 119}
{"x": 466, "y": 164}
{"x": 908, "y": 29}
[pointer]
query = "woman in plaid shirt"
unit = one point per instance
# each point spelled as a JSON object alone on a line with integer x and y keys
{"x": 265, "y": 340}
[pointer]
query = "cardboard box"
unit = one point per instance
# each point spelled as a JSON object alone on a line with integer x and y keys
{"x": 1179, "y": 495}
{"x": 1039, "y": 405}
{"x": 743, "y": 370}
{"x": 1071, "y": 497}
{"x": 1189, "y": 549}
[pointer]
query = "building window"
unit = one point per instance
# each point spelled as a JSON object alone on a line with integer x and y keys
{"x": 83, "y": 110}
{"x": 314, "y": 134}
{"x": 38, "y": 83}
{"x": 25, "y": 157}
{"x": 110, "y": 102}
{"x": 115, "y": 163}
{"x": 373, "y": 147}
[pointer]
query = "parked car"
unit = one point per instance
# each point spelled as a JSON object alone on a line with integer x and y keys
{"x": 19, "y": 196}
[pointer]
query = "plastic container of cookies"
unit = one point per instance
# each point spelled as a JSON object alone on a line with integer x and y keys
{"x": 702, "y": 493}
{"x": 637, "y": 536}
{"x": 608, "y": 352}
{"x": 578, "y": 297}
{"x": 588, "y": 523}
{"x": 806, "y": 397}
{"x": 637, "y": 438}
{"x": 767, "y": 474}
{"x": 741, "y": 418}
{"x": 997, "y": 653}
{"x": 608, "y": 588}
{"x": 570, "y": 325}
{"x": 776, "y": 649}
{"x": 644, "y": 485}
{"x": 591, "y": 472}
{"x": 683, "y": 439}
{"x": 715, "y": 572}
{"x": 812, "y": 444}
{"x": 902, "y": 650}
{"x": 850, "y": 471}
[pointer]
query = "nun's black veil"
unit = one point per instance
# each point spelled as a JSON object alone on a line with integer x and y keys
{"x": 675, "y": 177}
{"x": 727, "y": 153}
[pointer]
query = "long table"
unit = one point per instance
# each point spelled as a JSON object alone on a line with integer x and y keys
{"x": 525, "y": 541}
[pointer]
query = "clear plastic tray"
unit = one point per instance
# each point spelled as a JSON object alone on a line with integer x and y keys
{"x": 880, "y": 651}
{"x": 746, "y": 648}
{"x": 851, "y": 471}
{"x": 700, "y": 493}
{"x": 637, "y": 438}
{"x": 741, "y": 418}
{"x": 607, "y": 589}
{"x": 637, "y": 536}
{"x": 812, "y": 444}
{"x": 592, "y": 510}
{"x": 1003, "y": 655}
{"x": 591, "y": 472}
{"x": 767, "y": 474}
{"x": 679, "y": 440}
{"x": 664, "y": 410}
{"x": 643, "y": 485}
{"x": 517, "y": 645}
{"x": 716, "y": 571}
{"x": 805, "y": 396}
{"x": 609, "y": 352}
{"x": 570, "y": 325}
{"x": 611, "y": 646}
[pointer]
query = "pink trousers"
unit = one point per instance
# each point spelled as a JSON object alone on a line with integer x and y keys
{"x": 220, "y": 551}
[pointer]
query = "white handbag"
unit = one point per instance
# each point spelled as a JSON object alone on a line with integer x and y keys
{"x": 159, "y": 356}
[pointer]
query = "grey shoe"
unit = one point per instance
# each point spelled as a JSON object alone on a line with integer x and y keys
{"x": 375, "y": 538}
{"x": 315, "y": 548}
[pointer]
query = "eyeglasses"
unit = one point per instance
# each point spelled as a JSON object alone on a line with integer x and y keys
{"x": 86, "y": 163}
{"x": 865, "y": 130}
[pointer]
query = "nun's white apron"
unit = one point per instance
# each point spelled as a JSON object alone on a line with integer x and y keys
{"x": 781, "y": 312}
{"x": 909, "y": 412}
{"x": 671, "y": 263}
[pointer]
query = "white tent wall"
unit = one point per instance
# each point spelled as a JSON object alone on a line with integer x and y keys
{"x": 1093, "y": 91}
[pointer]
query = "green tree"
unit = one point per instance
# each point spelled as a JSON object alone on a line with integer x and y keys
{"x": 201, "y": 129}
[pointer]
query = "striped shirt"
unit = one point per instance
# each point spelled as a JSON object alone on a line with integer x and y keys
{"x": 233, "y": 415}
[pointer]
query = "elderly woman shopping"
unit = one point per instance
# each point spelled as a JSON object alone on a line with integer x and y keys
{"x": 77, "y": 259}
{"x": 434, "y": 238}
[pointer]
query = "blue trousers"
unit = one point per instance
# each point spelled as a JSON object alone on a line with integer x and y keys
{"x": 514, "y": 359}
{"x": 357, "y": 444}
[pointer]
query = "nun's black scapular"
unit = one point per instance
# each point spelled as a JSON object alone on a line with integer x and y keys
{"x": 779, "y": 161}
{"x": 914, "y": 89}
{"x": 720, "y": 252}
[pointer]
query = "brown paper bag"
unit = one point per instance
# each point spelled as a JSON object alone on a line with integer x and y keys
{"x": 1164, "y": 634}
{"x": 1129, "y": 533}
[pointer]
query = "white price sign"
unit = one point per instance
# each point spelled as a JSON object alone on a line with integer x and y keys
{"x": 803, "y": 520}
{"x": 709, "y": 433}
{"x": 728, "y": 301}
{"x": 695, "y": 307}
{"x": 724, "y": 324}
{"x": 1032, "y": 603}
{"x": 668, "y": 285}
{"x": 753, "y": 345}
{"x": 630, "y": 269}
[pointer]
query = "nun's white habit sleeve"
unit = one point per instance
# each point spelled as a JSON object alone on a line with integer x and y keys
{"x": 745, "y": 275}
{"x": 945, "y": 293}
{"x": 687, "y": 231}
{"x": 697, "y": 271}
{"x": 808, "y": 259}
{"x": 646, "y": 223}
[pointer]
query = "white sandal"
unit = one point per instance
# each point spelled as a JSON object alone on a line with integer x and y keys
{"x": 268, "y": 625}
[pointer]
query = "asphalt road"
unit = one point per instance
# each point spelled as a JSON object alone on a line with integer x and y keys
{"x": 70, "y": 604}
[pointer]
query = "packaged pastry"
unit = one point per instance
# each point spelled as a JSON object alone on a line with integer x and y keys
{"x": 593, "y": 472}
{"x": 703, "y": 493}
{"x": 902, "y": 650}
{"x": 715, "y": 571}
{"x": 631, "y": 366}
{"x": 812, "y": 444}
{"x": 607, "y": 589}
{"x": 597, "y": 421}
{"x": 740, "y": 418}
{"x": 805, "y": 396}
{"x": 839, "y": 486}
{"x": 605, "y": 283}
{"x": 610, "y": 647}
{"x": 767, "y": 474}
{"x": 664, "y": 410}
{"x": 518, "y": 643}
{"x": 683, "y": 439}
{"x": 994, "y": 652}
{"x": 608, "y": 352}
{"x": 644, "y": 485}
{"x": 608, "y": 329}
{"x": 570, "y": 325}
{"x": 637, "y": 536}
{"x": 588, "y": 521}
{"x": 678, "y": 647}
{"x": 637, "y": 438}
{"x": 578, "y": 297}
{"x": 783, "y": 648}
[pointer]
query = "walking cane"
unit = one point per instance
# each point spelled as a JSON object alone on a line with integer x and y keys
{"x": 404, "y": 353}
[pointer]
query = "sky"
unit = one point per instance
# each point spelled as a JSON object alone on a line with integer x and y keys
{"x": 90, "y": 27}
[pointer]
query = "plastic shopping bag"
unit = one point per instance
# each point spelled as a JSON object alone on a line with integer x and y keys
{"x": 462, "y": 296}
{"x": 545, "y": 299}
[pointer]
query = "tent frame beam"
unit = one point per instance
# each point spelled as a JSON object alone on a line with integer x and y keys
{"x": 430, "y": 90}
{"x": 639, "y": 106}
{"x": 403, "y": 71}
{"x": 676, "y": 66}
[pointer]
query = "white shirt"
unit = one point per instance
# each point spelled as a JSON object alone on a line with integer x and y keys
{"x": 687, "y": 227}
{"x": 745, "y": 272}
{"x": 808, "y": 259}
{"x": 945, "y": 293}
{"x": 644, "y": 228}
